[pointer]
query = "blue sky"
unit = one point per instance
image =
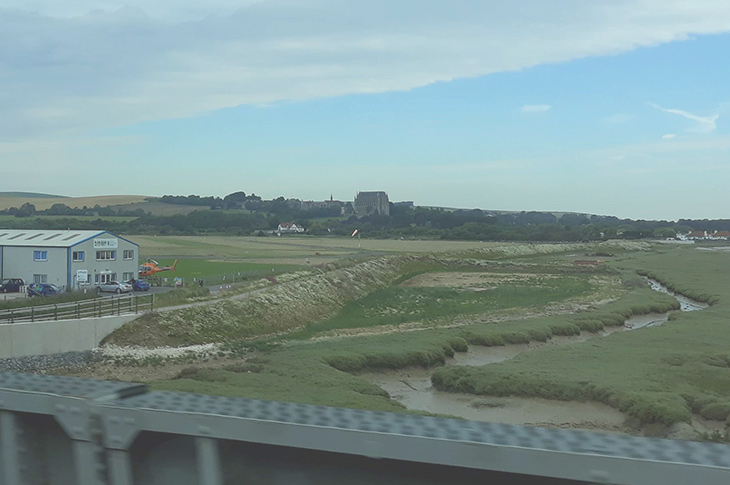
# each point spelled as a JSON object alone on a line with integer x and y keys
{"x": 617, "y": 107}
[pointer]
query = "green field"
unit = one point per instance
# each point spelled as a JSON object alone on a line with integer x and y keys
{"x": 314, "y": 333}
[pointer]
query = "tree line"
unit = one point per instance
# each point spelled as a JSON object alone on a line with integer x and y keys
{"x": 242, "y": 214}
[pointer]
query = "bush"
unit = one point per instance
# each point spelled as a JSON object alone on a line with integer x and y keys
{"x": 716, "y": 412}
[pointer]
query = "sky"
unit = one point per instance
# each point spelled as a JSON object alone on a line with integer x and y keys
{"x": 614, "y": 107}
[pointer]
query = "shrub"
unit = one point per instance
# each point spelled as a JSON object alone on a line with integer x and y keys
{"x": 718, "y": 411}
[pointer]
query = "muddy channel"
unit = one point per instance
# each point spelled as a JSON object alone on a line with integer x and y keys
{"x": 412, "y": 386}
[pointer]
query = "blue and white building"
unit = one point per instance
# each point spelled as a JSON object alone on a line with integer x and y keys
{"x": 68, "y": 259}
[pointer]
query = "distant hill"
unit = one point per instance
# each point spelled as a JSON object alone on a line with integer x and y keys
{"x": 45, "y": 201}
{"x": 31, "y": 195}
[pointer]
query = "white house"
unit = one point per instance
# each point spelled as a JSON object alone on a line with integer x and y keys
{"x": 289, "y": 228}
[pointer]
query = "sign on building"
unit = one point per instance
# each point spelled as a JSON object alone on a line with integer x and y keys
{"x": 82, "y": 276}
{"x": 105, "y": 243}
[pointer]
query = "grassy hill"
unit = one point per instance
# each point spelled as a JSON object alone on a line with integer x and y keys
{"x": 31, "y": 195}
{"x": 42, "y": 202}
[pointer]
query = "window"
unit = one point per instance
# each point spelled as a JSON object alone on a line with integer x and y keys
{"x": 127, "y": 276}
{"x": 40, "y": 278}
{"x": 106, "y": 255}
{"x": 79, "y": 255}
{"x": 40, "y": 255}
{"x": 129, "y": 254}
{"x": 103, "y": 278}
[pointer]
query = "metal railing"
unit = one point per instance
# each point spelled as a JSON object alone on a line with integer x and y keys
{"x": 62, "y": 430}
{"x": 96, "y": 307}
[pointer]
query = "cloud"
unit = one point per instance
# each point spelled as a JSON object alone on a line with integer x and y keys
{"x": 669, "y": 136}
{"x": 535, "y": 108}
{"x": 705, "y": 124}
{"x": 89, "y": 64}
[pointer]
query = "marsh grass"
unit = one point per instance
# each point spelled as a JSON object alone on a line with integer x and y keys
{"x": 661, "y": 374}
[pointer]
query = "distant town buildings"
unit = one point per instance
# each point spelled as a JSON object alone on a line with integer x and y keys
{"x": 705, "y": 236}
{"x": 308, "y": 205}
{"x": 371, "y": 203}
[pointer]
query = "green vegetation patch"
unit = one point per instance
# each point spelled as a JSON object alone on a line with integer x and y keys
{"x": 396, "y": 304}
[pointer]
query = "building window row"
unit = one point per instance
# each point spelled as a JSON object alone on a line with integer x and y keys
{"x": 106, "y": 255}
{"x": 104, "y": 278}
{"x": 80, "y": 256}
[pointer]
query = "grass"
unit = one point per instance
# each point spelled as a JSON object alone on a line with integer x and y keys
{"x": 46, "y": 300}
{"x": 181, "y": 296}
{"x": 661, "y": 374}
{"x": 326, "y": 372}
{"x": 189, "y": 268}
{"x": 658, "y": 375}
{"x": 282, "y": 308}
{"x": 395, "y": 304}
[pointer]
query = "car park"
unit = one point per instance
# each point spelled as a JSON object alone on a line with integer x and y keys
{"x": 139, "y": 285}
{"x": 11, "y": 285}
{"x": 115, "y": 287}
{"x": 43, "y": 289}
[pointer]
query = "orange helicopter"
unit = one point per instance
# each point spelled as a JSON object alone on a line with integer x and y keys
{"x": 151, "y": 267}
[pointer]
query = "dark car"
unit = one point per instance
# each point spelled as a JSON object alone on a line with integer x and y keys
{"x": 139, "y": 285}
{"x": 11, "y": 285}
{"x": 43, "y": 289}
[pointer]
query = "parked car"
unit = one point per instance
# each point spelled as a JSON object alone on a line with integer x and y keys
{"x": 139, "y": 285}
{"x": 115, "y": 287}
{"x": 11, "y": 285}
{"x": 43, "y": 289}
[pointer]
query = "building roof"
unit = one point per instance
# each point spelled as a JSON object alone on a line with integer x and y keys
{"x": 45, "y": 238}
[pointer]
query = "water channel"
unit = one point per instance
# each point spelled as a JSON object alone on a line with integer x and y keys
{"x": 412, "y": 386}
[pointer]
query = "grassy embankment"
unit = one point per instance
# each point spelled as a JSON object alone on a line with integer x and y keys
{"x": 319, "y": 372}
{"x": 660, "y": 374}
{"x": 294, "y": 305}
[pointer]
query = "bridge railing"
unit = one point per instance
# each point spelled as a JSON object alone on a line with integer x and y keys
{"x": 62, "y": 430}
{"x": 95, "y": 307}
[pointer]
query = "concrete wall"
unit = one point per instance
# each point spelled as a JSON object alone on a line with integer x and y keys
{"x": 53, "y": 337}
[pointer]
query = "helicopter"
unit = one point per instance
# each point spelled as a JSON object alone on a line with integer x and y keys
{"x": 152, "y": 267}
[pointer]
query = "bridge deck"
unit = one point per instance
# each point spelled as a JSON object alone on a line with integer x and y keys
{"x": 123, "y": 411}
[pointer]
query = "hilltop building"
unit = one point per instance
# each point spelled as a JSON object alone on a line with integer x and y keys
{"x": 320, "y": 204}
{"x": 68, "y": 259}
{"x": 371, "y": 203}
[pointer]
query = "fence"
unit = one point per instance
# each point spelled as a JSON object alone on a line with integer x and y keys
{"x": 97, "y": 307}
